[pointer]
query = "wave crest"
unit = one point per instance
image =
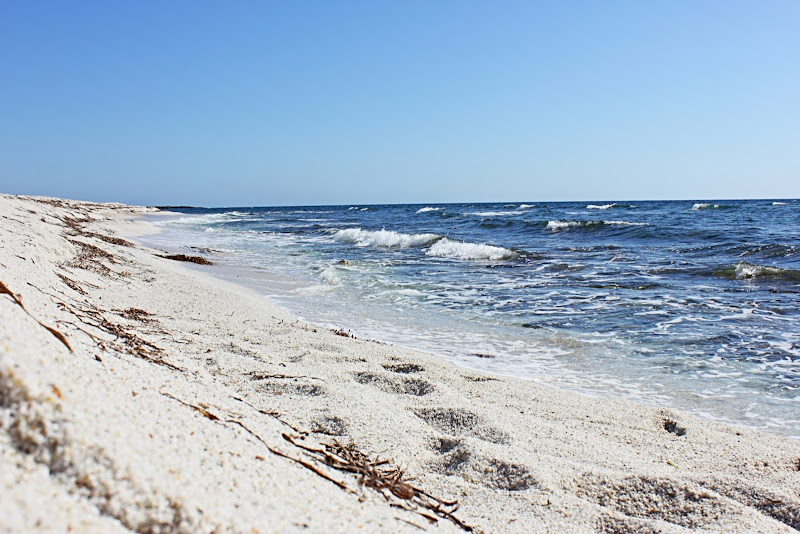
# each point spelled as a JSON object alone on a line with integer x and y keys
{"x": 383, "y": 238}
{"x": 448, "y": 248}
{"x": 426, "y": 209}
{"x": 563, "y": 225}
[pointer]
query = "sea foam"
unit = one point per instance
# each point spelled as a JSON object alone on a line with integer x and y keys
{"x": 448, "y": 248}
{"x": 427, "y": 208}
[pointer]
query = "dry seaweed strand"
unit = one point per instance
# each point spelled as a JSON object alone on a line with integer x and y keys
{"x": 275, "y": 415}
{"x": 72, "y": 284}
{"x": 136, "y": 314}
{"x": 183, "y": 257}
{"x": 18, "y": 300}
{"x": 255, "y": 375}
{"x": 384, "y": 478}
{"x": 125, "y": 341}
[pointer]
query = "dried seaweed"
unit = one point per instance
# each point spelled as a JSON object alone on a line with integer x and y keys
{"x": 18, "y": 300}
{"x": 91, "y": 258}
{"x": 255, "y": 375}
{"x": 136, "y": 314}
{"x": 342, "y": 332}
{"x": 183, "y": 257}
{"x": 72, "y": 284}
{"x": 109, "y": 239}
{"x": 384, "y": 478}
{"x": 124, "y": 340}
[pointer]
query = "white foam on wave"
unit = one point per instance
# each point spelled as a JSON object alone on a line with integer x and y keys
{"x": 495, "y": 213}
{"x": 600, "y": 207}
{"x": 779, "y": 203}
{"x": 525, "y": 206}
{"x": 626, "y": 223}
{"x": 562, "y": 225}
{"x": 704, "y": 206}
{"x": 448, "y": 248}
{"x": 426, "y": 209}
{"x": 746, "y": 271}
{"x": 383, "y": 238}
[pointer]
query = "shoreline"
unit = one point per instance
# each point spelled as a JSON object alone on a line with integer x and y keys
{"x": 559, "y": 360}
{"x": 170, "y": 411}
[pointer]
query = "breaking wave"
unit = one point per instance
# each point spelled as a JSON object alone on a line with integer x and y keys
{"x": 383, "y": 238}
{"x": 563, "y": 225}
{"x": 426, "y": 209}
{"x": 448, "y": 248}
{"x": 600, "y": 207}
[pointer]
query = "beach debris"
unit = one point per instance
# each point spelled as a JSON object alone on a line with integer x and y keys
{"x": 275, "y": 415}
{"x": 124, "y": 340}
{"x": 76, "y": 227}
{"x": 136, "y": 314}
{"x": 18, "y": 300}
{"x": 183, "y": 257}
{"x": 255, "y": 375}
{"x": 384, "y": 478}
{"x": 91, "y": 258}
{"x": 671, "y": 426}
{"x": 342, "y": 332}
{"x": 72, "y": 284}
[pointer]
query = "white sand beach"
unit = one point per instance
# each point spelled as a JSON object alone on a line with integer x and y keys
{"x": 138, "y": 393}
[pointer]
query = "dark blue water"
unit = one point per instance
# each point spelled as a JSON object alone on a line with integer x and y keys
{"x": 693, "y": 305}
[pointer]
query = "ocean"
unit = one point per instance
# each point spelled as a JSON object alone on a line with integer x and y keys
{"x": 693, "y": 305}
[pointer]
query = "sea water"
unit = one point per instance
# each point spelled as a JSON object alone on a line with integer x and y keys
{"x": 687, "y": 304}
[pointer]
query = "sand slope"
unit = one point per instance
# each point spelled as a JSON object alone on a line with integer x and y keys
{"x": 188, "y": 404}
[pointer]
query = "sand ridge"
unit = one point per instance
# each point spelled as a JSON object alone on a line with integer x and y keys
{"x": 177, "y": 402}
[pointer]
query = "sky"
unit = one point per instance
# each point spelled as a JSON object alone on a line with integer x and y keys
{"x": 301, "y": 103}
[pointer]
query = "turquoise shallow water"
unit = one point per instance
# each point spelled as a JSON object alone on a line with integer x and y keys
{"x": 694, "y": 305}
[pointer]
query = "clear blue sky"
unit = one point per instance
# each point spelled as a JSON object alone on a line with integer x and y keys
{"x": 331, "y": 102}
